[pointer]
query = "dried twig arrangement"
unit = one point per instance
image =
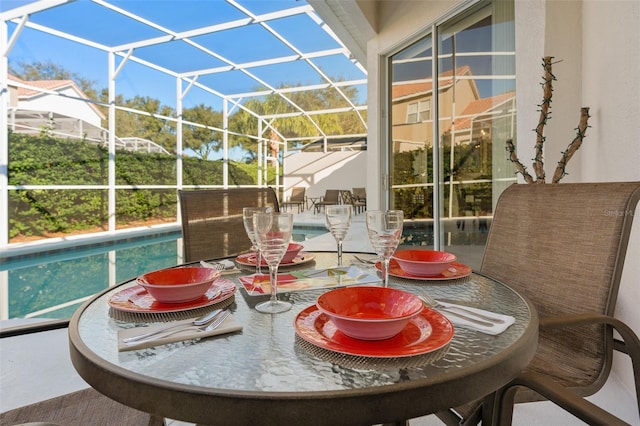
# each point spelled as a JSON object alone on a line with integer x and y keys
{"x": 545, "y": 115}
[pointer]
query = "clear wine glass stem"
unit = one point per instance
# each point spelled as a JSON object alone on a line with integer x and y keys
{"x": 385, "y": 271}
{"x": 339, "y": 252}
{"x": 258, "y": 262}
{"x": 273, "y": 277}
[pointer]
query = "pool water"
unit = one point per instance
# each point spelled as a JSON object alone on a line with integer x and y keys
{"x": 305, "y": 232}
{"x": 54, "y": 284}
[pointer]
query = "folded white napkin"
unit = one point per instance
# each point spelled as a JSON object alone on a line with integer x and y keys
{"x": 497, "y": 328}
{"x": 229, "y": 325}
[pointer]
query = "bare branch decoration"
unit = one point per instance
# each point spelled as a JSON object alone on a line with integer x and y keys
{"x": 581, "y": 133}
{"x": 545, "y": 116}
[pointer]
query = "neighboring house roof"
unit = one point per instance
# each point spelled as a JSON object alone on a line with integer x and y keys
{"x": 52, "y": 85}
{"x": 479, "y": 107}
{"x": 421, "y": 87}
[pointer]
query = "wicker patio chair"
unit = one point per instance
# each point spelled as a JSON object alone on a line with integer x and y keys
{"x": 212, "y": 225}
{"x": 331, "y": 197}
{"x": 349, "y": 198}
{"x": 562, "y": 246}
{"x": 297, "y": 199}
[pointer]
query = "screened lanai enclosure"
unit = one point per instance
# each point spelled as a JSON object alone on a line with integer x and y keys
{"x": 112, "y": 106}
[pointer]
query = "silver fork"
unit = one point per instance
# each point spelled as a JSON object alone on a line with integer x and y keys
{"x": 468, "y": 315}
{"x": 214, "y": 324}
{"x": 362, "y": 260}
{"x": 202, "y": 321}
{"x": 216, "y": 266}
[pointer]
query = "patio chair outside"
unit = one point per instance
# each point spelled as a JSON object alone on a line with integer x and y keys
{"x": 360, "y": 194}
{"x": 349, "y": 198}
{"x": 562, "y": 246}
{"x": 212, "y": 225}
{"x": 331, "y": 197}
{"x": 297, "y": 198}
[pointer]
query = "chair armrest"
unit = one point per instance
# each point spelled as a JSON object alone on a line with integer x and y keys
{"x": 630, "y": 343}
{"x": 556, "y": 393}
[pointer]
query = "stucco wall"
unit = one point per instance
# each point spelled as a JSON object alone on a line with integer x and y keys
{"x": 319, "y": 171}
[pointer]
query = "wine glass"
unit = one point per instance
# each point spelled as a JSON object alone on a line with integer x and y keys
{"x": 273, "y": 233}
{"x": 384, "y": 229}
{"x": 247, "y": 219}
{"x": 338, "y": 220}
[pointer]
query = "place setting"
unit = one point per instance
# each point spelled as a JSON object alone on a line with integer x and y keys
{"x": 426, "y": 265}
{"x": 181, "y": 303}
{"x": 364, "y": 324}
{"x": 373, "y": 325}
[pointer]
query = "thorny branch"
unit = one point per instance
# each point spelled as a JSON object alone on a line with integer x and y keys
{"x": 581, "y": 133}
{"x": 545, "y": 115}
{"x": 519, "y": 166}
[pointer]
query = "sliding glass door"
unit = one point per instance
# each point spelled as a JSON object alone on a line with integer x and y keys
{"x": 452, "y": 96}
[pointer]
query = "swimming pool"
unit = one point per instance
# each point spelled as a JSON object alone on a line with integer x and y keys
{"x": 54, "y": 284}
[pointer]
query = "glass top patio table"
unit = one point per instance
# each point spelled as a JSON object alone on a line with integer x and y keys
{"x": 267, "y": 375}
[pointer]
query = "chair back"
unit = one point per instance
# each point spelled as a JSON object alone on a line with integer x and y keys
{"x": 360, "y": 194}
{"x": 297, "y": 194}
{"x": 563, "y": 246}
{"x": 212, "y": 225}
{"x": 332, "y": 196}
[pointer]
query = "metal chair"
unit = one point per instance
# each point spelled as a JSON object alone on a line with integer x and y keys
{"x": 78, "y": 408}
{"x": 297, "y": 199}
{"x": 212, "y": 225}
{"x": 81, "y": 408}
{"x": 562, "y": 246}
{"x": 360, "y": 194}
{"x": 331, "y": 197}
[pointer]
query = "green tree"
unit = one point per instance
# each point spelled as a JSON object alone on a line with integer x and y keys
{"x": 150, "y": 127}
{"x": 298, "y": 125}
{"x": 201, "y": 140}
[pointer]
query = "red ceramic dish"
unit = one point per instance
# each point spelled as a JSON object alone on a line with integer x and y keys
{"x": 425, "y": 333}
{"x": 369, "y": 313}
{"x": 424, "y": 262}
{"x": 455, "y": 271}
{"x": 292, "y": 252}
{"x": 137, "y": 300}
{"x": 178, "y": 285}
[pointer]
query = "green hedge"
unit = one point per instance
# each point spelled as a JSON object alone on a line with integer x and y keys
{"x": 49, "y": 161}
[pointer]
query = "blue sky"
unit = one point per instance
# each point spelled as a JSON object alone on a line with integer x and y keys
{"x": 247, "y": 44}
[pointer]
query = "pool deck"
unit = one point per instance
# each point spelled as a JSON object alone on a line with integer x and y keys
{"x": 35, "y": 367}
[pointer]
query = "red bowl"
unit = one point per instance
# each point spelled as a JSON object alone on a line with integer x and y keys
{"x": 178, "y": 285}
{"x": 369, "y": 313}
{"x": 292, "y": 252}
{"x": 424, "y": 263}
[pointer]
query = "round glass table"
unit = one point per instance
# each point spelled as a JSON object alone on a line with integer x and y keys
{"x": 266, "y": 374}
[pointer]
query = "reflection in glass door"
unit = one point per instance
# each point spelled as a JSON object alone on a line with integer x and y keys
{"x": 448, "y": 162}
